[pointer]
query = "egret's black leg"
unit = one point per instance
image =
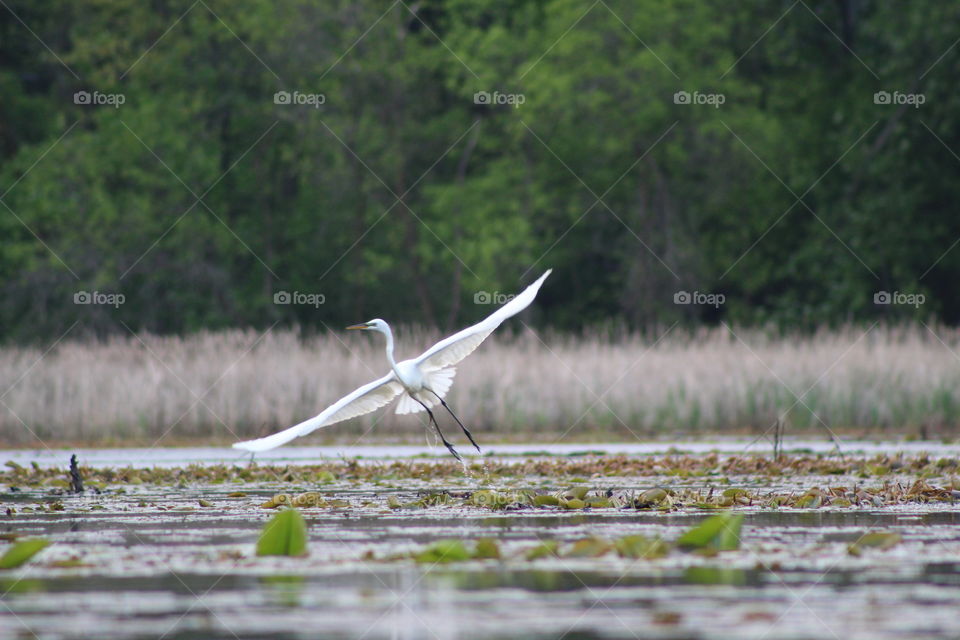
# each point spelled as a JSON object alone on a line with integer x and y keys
{"x": 436, "y": 425}
{"x": 450, "y": 411}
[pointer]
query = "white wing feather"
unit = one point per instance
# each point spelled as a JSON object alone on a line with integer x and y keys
{"x": 452, "y": 350}
{"x": 367, "y": 398}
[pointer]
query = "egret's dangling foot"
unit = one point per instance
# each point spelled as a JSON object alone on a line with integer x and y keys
{"x": 436, "y": 425}
{"x": 465, "y": 430}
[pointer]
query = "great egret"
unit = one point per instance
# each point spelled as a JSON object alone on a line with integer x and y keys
{"x": 421, "y": 382}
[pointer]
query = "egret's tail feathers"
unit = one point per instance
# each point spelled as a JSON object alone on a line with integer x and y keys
{"x": 408, "y": 405}
{"x": 436, "y": 385}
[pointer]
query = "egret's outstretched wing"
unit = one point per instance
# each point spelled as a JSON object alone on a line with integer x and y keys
{"x": 452, "y": 350}
{"x": 364, "y": 400}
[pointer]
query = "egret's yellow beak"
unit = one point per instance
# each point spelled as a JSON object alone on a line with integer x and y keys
{"x": 362, "y": 325}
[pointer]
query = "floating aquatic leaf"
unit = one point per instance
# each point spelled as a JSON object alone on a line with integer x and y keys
{"x": 204, "y": 503}
{"x": 279, "y": 500}
{"x": 651, "y": 497}
{"x": 809, "y": 501}
{"x": 578, "y": 493}
{"x": 443, "y": 552}
{"x": 641, "y": 547}
{"x": 573, "y": 503}
{"x": 487, "y": 548}
{"x": 589, "y": 548}
{"x": 720, "y": 532}
{"x": 876, "y": 540}
{"x": 597, "y": 502}
{"x": 284, "y": 535}
{"x": 21, "y": 552}
{"x": 546, "y": 501}
{"x": 546, "y": 549}
{"x": 309, "y": 499}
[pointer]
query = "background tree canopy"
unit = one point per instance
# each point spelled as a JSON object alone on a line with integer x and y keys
{"x": 404, "y": 194}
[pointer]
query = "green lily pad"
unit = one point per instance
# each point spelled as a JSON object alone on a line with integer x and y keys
{"x": 546, "y": 549}
{"x": 284, "y": 535}
{"x": 21, "y": 552}
{"x": 641, "y": 547}
{"x": 720, "y": 532}
{"x": 443, "y": 552}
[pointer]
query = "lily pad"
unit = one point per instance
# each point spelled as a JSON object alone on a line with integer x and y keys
{"x": 720, "y": 532}
{"x": 284, "y": 535}
{"x": 21, "y": 552}
{"x": 443, "y": 552}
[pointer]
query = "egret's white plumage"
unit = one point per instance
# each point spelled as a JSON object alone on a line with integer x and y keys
{"x": 421, "y": 382}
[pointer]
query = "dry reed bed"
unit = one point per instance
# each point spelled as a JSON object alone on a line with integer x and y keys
{"x": 245, "y": 383}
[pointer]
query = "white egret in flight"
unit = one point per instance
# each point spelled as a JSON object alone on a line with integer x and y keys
{"x": 421, "y": 382}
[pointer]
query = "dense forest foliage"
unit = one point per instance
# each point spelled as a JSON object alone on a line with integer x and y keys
{"x": 201, "y": 158}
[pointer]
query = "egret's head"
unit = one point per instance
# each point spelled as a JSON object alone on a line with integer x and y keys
{"x": 373, "y": 325}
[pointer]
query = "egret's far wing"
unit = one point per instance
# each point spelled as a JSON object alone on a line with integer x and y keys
{"x": 452, "y": 350}
{"x": 363, "y": 400}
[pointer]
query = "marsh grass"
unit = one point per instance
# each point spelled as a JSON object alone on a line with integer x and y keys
{"x": 242, "y": 383}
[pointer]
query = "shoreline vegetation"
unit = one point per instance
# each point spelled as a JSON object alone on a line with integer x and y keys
{"x": 216, "y": 387}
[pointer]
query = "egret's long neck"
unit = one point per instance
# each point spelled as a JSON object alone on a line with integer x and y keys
{"x": 389, "y": 335}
